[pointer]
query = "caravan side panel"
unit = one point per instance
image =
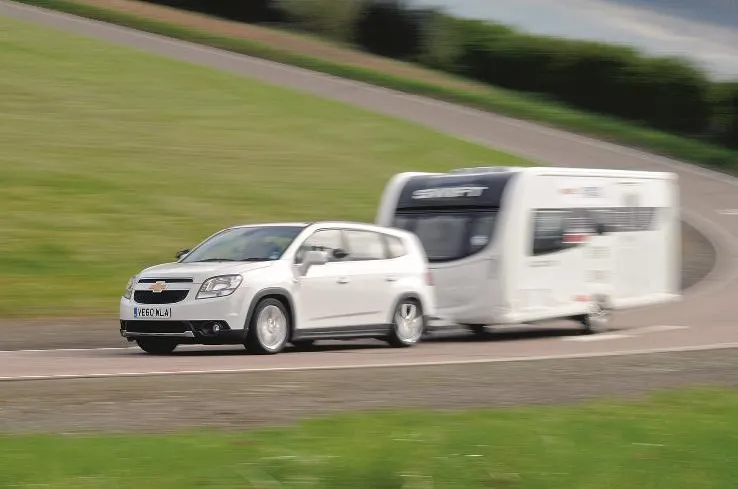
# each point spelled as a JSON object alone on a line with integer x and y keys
{"x": 561, "y": 259}
{"x": 646, "y": 227}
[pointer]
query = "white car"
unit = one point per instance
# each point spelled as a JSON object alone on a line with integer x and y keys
{"x": 267, "y": 285}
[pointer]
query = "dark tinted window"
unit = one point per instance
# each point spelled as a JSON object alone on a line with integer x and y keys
{"x": 548, "y": 230}
{"x": 450, "y": 235}
{"x": 364, "y": 245}
{"x": 327, "y": 240}
{"x": 395, "y": 246}
{"x": 254, "y": 243}
{"x": 560, "y": 229}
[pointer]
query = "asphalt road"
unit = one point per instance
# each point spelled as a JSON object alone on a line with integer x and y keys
{"x": 257, "y": 399}
{"x": 704, "y": 319}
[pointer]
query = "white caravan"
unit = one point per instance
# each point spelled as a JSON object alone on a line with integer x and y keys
{"x": 522, "y": 245}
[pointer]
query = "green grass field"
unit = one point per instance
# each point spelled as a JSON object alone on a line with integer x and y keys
{"x": 507, "y": 102}
{"x": 682, "y": 440}
{"x": 113, "y": 159}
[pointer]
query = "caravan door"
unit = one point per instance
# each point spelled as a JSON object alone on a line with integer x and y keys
{"x": 599, "y": 255}
{"x": 631, "y": 278}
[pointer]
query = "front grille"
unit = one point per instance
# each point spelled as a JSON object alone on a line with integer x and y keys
{"x": 165, "y": 297}
{"x": 156, "y": 326}
{"x": 167, "y": 280}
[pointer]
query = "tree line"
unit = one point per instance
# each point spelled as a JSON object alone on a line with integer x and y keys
{"x": 667, "y": 93}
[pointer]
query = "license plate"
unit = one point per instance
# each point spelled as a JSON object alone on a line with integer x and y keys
{"x": 152, "y": 312}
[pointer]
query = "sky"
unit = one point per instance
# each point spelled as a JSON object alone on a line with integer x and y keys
{"x": 706, "y": 31}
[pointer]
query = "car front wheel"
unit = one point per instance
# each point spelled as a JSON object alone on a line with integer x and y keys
{"x": 269, "y": 328}
{"x": 408, "y": 324}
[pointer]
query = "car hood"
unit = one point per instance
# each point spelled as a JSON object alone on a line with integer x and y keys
{"x": 200, "y": 271}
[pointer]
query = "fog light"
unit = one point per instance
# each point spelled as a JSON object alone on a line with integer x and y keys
{"x": 217, "y": 328}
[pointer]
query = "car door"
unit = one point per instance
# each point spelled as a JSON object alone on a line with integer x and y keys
{"x": 372, "y": 279}
{"x": 325, "y": 295}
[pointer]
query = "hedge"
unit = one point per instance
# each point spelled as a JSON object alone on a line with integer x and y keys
{"x": 506, "y": 102}
{"x": 665, "y": 93}
{"x": 725, "y": 121}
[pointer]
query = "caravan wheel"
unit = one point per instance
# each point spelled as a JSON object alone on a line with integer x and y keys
{"x": 598, "y": 319}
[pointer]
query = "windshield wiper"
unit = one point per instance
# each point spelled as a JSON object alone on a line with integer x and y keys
{"x": 213, "y": 259}
{"x": 253, "y": 258}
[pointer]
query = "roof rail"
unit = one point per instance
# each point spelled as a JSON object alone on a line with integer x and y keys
{"x": 481, "y": 169}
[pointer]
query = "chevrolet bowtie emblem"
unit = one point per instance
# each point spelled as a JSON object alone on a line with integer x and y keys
{"x": 158, "y": 287}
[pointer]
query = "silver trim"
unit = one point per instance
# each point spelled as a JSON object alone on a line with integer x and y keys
{"x": 186, "y": 334}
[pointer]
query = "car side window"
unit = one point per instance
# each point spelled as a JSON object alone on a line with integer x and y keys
{"x": 395, "y": 246}
{"x": 327, "y": 240}
{"x": 364, "y": 245}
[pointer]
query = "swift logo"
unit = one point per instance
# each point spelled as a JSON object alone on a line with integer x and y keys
{"x": 448, "y": 192}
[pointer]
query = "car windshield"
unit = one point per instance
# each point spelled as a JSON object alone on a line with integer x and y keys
{"x": 257, "y": 243}
{"x": 449, "y": 236}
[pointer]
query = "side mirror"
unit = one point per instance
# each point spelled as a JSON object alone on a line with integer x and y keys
{"x": 339, "y": 254}
{"x": 312, "y": 258}
{"x": 182, "y": 253}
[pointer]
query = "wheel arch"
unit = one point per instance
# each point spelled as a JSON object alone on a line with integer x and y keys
{"x": 404, "y": 296}
{"x": 278, "y": 293}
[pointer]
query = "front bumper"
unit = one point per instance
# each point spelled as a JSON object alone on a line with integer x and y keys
{"x": 206, "y": 321}
{"x": 190, "y": 332}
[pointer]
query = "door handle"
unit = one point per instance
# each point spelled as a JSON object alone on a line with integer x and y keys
{"x": 391, "y": 278}
{"x": 342, "y": 280}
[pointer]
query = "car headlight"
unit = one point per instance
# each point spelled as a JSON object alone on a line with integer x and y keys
{"x": 219, "y": 286}
{"x": 129, "y": 288}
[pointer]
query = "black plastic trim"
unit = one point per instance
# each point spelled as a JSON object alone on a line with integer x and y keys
{"x": 226, "y": 337}
{"x": 339, "y": 332}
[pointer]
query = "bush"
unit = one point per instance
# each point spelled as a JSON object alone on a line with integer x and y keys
{"x": 334, "y": 19}
{"x": 664, "y": 93}
{"x": 390, "y": 28}
{"x": 725, "y": 113}
{"x": 255, "y": 11}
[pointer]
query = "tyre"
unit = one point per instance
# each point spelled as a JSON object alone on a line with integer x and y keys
{"x": 598, "y": 319}
{"x": 270, "y": 327}
{"x": 408, "y": 324}
{"x": 157, "y": 346}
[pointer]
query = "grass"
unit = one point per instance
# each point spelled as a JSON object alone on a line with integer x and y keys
{"x": 113, "y": 159}
{"x": 492, "y": 99}
{"x": 677, "y": 440}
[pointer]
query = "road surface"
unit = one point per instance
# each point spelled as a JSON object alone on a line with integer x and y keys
{"x": 704, "y": 320}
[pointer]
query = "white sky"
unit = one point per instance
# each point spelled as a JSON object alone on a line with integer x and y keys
{"x": 704, "y": 30}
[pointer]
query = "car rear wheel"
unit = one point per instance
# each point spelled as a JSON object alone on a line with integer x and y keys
{"x": 269, "y": 328}
{"x": 157, "y": 346}
{"x": 408, "y": 324}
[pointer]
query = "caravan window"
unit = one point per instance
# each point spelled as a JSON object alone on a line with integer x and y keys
{"x": 561, "y": 229}
{"x": 548, "y": 230}
{"x": 449, "y": 236}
